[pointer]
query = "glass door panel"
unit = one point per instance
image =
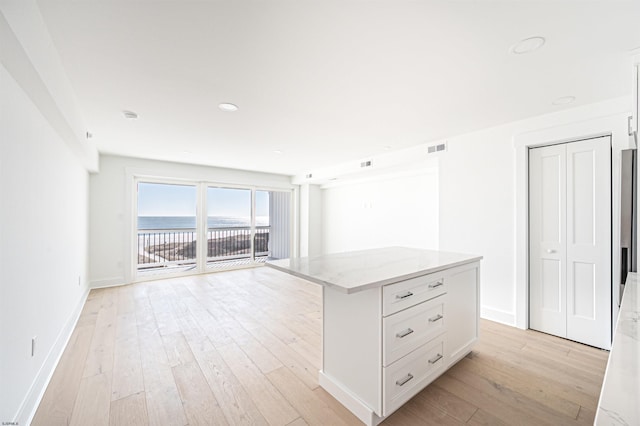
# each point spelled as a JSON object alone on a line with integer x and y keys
{"x": 229, "y": 227}
{"x": 166, "y": 228}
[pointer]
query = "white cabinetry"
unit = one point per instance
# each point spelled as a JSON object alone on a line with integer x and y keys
{"x": 383, "y": 345}
{"x": 463, "y": 311}
{"x": 394, "y": 319}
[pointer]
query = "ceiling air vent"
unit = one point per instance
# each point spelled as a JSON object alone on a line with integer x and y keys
{"x": 437, "y": 148}
{"x": 367, "y": 163}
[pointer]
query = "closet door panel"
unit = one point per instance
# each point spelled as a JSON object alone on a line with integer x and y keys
{"x": 547, "y": 221}
{"x": 589, "y": 241}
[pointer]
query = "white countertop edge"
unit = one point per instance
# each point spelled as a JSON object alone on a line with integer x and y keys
{"x": 376, "y": 284}
{"x": 618, "y": 403}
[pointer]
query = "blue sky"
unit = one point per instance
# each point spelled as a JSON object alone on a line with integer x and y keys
{"x": 156, "y": 199}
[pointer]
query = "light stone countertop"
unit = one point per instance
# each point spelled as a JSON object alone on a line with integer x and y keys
{"x": 620, "y": 397}
{"x": 361, "y": 270}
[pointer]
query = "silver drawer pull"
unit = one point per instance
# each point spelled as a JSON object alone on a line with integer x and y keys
{"x": 436, "y": 359}
{"x": 404, "y": 380}
{"x": 404, "y": 296}
{"x": 405, "y": 333}
{"x": 436, "y": 318}
{"x": 436, "y": 284}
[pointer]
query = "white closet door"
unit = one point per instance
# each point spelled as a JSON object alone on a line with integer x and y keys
{"x": 570, "y": 240}
{"x": 547, "y": 239}
{"x": 589, "y": 241}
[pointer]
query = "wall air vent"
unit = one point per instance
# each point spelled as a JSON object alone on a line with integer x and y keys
{"x": 366, "y": 164}
{"x": 437, "y": 148}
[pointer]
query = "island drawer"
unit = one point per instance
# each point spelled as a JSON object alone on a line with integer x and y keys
{"x": 409, "y": 329}
{"x": 409, "y": 375}
{"x": 404, "y": 294}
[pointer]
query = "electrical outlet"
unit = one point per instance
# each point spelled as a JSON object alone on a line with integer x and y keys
{"x": 33, "y": 346}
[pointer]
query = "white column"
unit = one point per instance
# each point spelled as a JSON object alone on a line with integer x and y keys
{"x": 310, "y": 220}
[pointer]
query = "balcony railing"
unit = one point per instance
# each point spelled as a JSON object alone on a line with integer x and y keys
{"x": 234, "y": 243}
{"x": 163, "y": 248}
{"x": 172, "y": 248}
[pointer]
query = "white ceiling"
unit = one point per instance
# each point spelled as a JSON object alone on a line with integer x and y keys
{"x": 327, "y": 81}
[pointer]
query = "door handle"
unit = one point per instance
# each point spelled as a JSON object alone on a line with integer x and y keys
{"x": 550, "y": 251}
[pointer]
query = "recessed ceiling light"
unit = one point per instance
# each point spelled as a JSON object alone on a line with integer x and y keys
{"x": 527, "y": 45}
{"x": 387, "y": 147}
{"x": 130, "y": 115}
{"x": 186, "y": 152}
{"x": 228, "y": 107}
{"x": 564, "y": 100}
{"x": 277, "y": 151}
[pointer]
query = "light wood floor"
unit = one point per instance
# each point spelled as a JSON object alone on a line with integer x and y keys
{"x": 244, "y": 347}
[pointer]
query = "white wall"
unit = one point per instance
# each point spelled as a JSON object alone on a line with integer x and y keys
{"x": 29, "y": 55}
{"x": 473, "y": 205}
{"x": 395, "y": 210}
{"x": 478, "y": 195}
{"x": 477, "y": 210}
{"x": 43, "y": 248}
{"x": 310, "y": 220}
{"x": 113, "y": 197}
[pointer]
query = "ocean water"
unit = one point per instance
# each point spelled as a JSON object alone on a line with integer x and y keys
{"x": 189, "y": 222}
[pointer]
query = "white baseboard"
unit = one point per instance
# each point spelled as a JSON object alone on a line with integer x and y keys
{"x": 108, "y": 282}
{"x": 498, "y": 315}
{"x": 120, "y": 281}
{"x": 361, "y": 410}
{"x": 29, "y": 405}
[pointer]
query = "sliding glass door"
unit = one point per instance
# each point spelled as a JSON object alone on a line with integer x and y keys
{"x": 241, "y": 227}
{"x": 166, "y": 227}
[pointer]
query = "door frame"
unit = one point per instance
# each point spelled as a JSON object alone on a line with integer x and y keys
{"x": 614, "y": 126}
{"x": 551, "y": 323}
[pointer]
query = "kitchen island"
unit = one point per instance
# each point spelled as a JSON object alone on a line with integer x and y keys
{"x": 394, "y": 319}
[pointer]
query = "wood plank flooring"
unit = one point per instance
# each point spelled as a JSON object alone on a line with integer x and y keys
{"x": 244, "y": 347}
